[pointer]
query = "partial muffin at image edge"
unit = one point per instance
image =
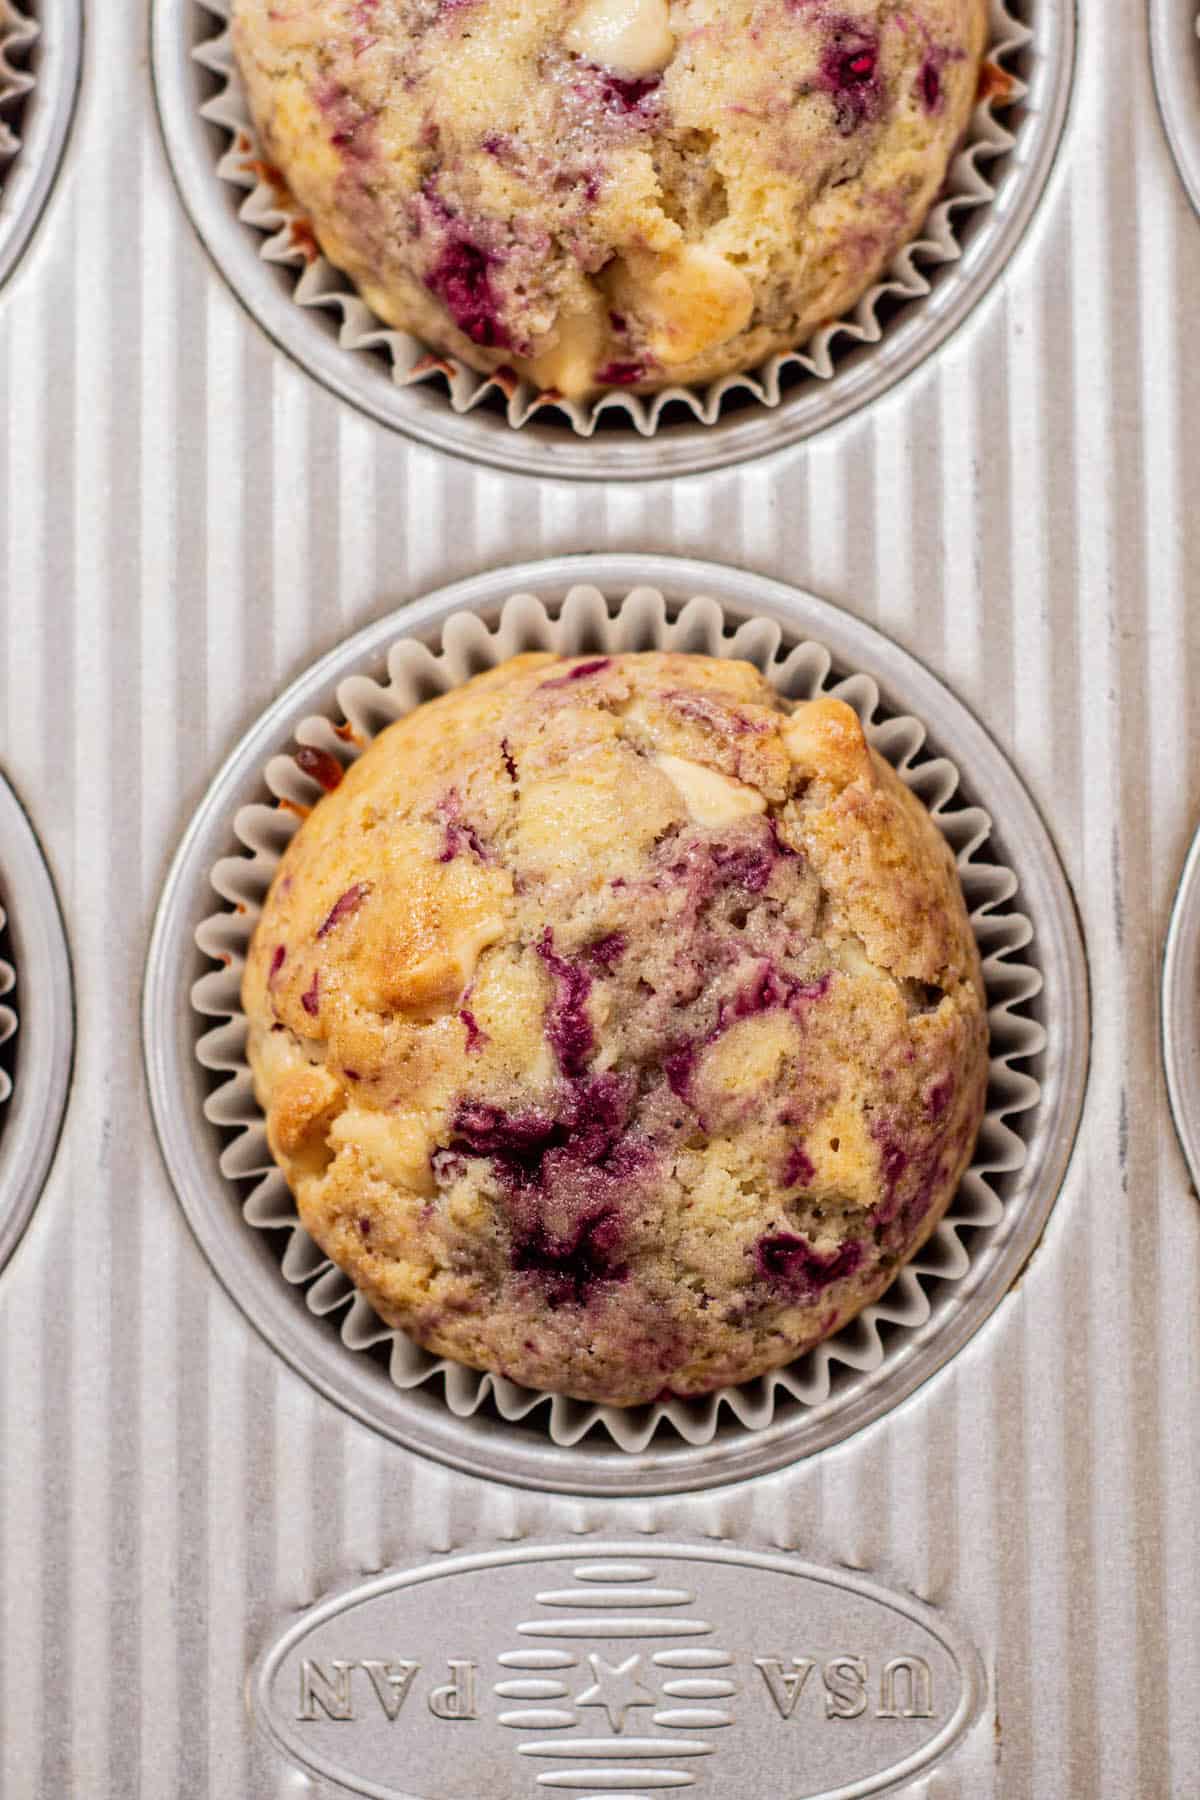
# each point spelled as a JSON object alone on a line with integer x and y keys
{"x": 8, "y": 1018}
{"x": 611, "y": 194}
{"x": 17, "y": 32}
{"x": 619, "y": 1025}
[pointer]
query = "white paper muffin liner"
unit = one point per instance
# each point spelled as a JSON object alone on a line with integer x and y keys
{"x": 8, "y": 1018}
{"x": 17, "y": 33}
{"x": 414, "y": 674}
{"x": 287, "y": 242}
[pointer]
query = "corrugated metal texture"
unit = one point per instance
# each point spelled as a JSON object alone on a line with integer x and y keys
{"x": 187, "y": 522}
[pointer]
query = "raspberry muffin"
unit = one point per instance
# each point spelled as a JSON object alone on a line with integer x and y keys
{"x": 618, "y": 1025}
{"x": 600, "y": 193}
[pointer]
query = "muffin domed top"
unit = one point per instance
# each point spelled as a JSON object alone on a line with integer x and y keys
{"x": 619, "y": 1025}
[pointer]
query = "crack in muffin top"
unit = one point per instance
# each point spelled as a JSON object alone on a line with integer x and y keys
{"x": 612, "y": 193}
{"x": 618, "y": 1024}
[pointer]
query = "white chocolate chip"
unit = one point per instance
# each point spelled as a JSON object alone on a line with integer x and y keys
{"x": 470, "y": 943}
{"x": 630, "y": 37}
{"x": 276, "y": 1054}
{"x": 711, "y": 798}
{"x": 825, "y": 741}
{"x": 851, "y": 955}
{"x": 433, "y": 986}
{"x": 571, "y": 365}
{"x": 397, "y": 1145}
{"x": 688, "y": 300}
{"x": 746, "y": 1058}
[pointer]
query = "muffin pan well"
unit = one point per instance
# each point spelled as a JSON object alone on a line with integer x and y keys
{"x": 212, "y": 1135}
{"x": 36, "y": 1021}
{"x": 265, "y": 249}
{"x": 39, "y": 72}
{"x": 1175, "y": 48}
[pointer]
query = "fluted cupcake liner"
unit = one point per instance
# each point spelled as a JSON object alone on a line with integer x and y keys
{"x": 8, "y": 1018}
{"x": 17, "y": 33}
{"x": 287, "y": 242}
{"x": 414, "y": 674}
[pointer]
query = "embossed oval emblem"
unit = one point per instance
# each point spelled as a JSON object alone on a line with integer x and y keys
{"x": 635, "y": 1670}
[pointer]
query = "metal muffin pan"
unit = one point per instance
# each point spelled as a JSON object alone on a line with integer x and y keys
{"x": 189, "y": 522}
{"x": 1175, "y": 49}
{"x": 40, "y": 119}
{"x": 36, "y": 1056}
{"x": 514, "y": 1451}
{"x": 913, "y": 330}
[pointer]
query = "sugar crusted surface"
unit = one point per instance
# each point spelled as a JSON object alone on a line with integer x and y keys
{"x": 590, "y": 1079}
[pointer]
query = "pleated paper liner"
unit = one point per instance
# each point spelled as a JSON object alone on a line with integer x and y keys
{"x": 17, "y": 34}
{"x": 8, "y": 1018}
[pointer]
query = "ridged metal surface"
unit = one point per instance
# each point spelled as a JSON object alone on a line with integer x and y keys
{"x": 188, "y": 521}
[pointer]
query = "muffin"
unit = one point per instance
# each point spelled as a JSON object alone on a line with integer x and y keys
{"x": 611, "y": 193}
{"x": 618, "y": 1024}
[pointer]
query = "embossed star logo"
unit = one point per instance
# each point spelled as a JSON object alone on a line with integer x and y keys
{"x": 617, "y": 1690}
